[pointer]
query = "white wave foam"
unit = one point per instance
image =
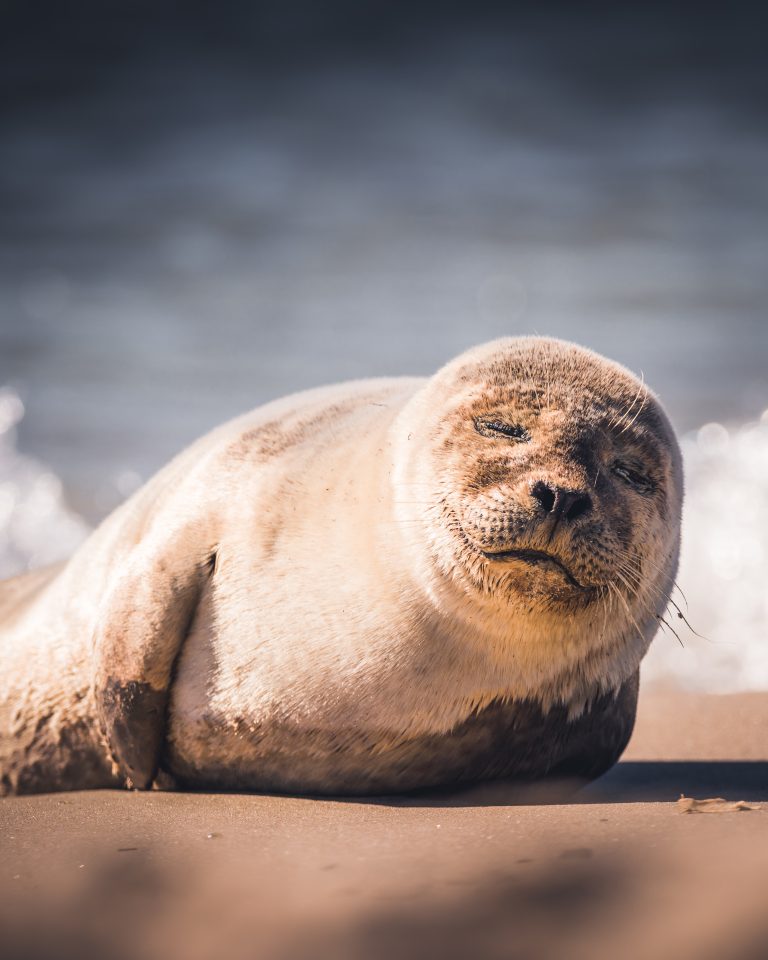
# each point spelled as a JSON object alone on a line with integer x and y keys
{"x": 724, "y": 565}
{"x": 723, "y": 573}
{"x": 36, "y": 525}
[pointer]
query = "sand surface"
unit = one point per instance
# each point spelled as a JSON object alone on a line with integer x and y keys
{"x": 616, "y": 869}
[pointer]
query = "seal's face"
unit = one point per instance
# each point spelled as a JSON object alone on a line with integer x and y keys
{"x": 556, "y": 479}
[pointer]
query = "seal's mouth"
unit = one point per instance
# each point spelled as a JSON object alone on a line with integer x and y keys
{"x": 535, "y": 558}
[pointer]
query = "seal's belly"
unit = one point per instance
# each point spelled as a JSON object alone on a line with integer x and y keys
{"x": 506, "y": 740}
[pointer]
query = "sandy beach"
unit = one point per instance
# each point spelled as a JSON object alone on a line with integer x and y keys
{"x": 615, "y": 869}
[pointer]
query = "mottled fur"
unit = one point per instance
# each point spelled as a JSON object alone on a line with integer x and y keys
{"x": 304, "y": 600}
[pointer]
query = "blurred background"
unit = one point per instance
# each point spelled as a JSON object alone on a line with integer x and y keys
{"x": 205, "y": 206}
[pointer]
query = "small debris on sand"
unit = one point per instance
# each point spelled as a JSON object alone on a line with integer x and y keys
{"x": 713, "y": 805}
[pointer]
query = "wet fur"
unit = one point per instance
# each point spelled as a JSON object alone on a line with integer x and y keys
{"x": 301, "y": 600}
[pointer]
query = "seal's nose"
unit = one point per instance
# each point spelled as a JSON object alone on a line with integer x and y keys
{"x": 561, "y": 503}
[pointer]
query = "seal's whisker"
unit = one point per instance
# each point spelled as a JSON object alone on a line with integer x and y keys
{"x": 682, "y": 617}
{"x": 632, "y": 590}
{"x": 662, "y": 625}
{"x": 640, "y": 408}
{"x": 605, "y": 594}
{"x": 679, "y": 590}
{"x": 669, "y": 626}
{"x": 629, "y": 613}
{"x": 634, "y": 419}
{"x": 637, "y": 564}
{"x": 615, "y": 422}
{"x": 658, "y": 591}
{"x": 627, "y": 578}
{"x": 627, "y": 567}
{"x": 660, "y": 569}
{"x": 655, "y": 590}
{"x": 668, "y": 597}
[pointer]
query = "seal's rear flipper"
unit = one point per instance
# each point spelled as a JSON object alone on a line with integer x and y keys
{"x": 142, "y": 625}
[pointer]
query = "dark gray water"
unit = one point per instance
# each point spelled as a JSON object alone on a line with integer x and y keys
{"x": 193, "y": 233}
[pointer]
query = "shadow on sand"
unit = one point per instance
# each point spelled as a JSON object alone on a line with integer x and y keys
{"x": 659, "y": 780}
{"x": 633, "y": 781}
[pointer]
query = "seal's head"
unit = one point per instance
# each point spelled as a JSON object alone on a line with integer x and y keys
{"x": 549, "y": 484}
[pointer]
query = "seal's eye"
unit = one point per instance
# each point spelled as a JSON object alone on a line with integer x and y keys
{"x": 634, "y": 479}
{"x": 492, "y": 427}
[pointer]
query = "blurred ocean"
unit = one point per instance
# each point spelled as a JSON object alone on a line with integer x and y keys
{"x": 212, "y": 219}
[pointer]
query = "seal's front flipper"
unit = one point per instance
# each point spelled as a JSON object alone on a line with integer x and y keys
{"x": 141, "y": 627}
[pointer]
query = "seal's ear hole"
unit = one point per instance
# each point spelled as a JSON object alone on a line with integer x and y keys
{"x": 211, "y": 563}
{"x": 495, "y": 428}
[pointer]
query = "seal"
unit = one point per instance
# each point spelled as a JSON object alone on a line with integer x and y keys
{"x": 374, "y": 587}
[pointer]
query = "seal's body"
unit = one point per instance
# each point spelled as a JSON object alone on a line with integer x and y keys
{"x": 372, "y": 587}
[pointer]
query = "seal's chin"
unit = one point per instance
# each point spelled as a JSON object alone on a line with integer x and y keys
{"x": 537, "y": 558}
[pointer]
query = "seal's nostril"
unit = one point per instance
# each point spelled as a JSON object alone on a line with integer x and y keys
{"x": 580, "y": 504}
{"x": 545, "y": 495}
{"x": 566, "y": 504}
